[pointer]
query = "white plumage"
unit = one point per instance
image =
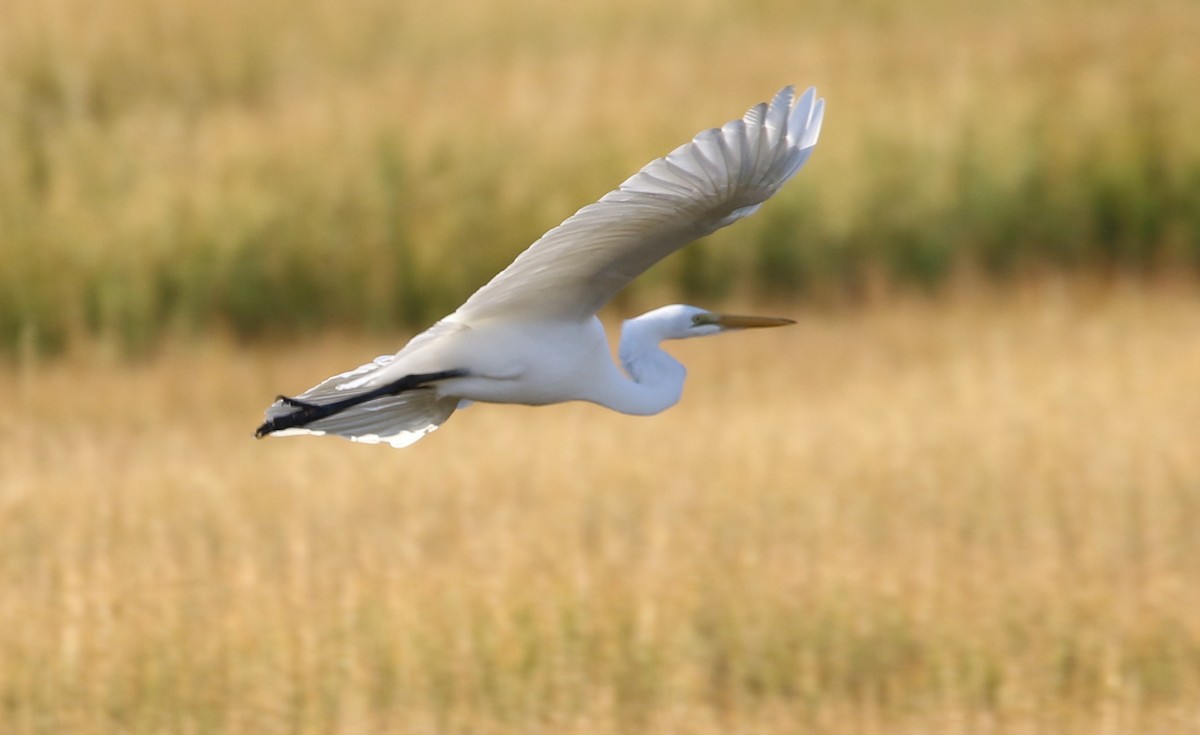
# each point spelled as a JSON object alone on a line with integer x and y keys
{"x": 531, "y": 335}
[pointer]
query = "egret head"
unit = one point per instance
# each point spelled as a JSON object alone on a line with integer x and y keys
{"x": 680, "y": 321}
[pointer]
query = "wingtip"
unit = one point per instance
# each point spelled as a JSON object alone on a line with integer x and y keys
{"x": 806, "y": 99}
{"x": 804, "y": 123}
{"x": 812, "y": 131}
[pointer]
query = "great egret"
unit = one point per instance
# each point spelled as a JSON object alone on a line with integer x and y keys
{"x": 531, "y": 334}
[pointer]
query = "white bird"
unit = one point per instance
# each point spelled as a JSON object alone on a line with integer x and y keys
{"x": 531, "y": 334}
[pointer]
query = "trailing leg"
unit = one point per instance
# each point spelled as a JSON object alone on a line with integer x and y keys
{"x": 306, "y": 412}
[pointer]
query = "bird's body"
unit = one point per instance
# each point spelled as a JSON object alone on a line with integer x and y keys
{"x": 531, "y": 335}
{"x": 498, "y": 369}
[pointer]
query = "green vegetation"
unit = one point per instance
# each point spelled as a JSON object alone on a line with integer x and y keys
{"x": 180, "y": 167}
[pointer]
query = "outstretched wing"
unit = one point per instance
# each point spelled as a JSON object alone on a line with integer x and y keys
{"x": 719, "y": 177}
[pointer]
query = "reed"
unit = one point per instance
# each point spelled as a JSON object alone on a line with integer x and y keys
{"x": 970, "y": 516}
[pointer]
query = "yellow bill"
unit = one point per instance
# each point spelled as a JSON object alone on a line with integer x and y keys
{"x": 734, "y": 321}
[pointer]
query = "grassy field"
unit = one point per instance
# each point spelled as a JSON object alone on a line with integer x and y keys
{"x": 974, "y": 515}
{"x": 971, "y": 512}
{"x": 172, "y": 166}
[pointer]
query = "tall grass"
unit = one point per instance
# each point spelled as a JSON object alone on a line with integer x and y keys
{"x": 274, "y": 167}
{"x": 972, "y": 518}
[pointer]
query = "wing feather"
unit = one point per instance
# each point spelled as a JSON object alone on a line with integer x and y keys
{"x": 719, "y": 177}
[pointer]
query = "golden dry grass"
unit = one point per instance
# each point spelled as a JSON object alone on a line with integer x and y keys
{"x": 972, "y": 516}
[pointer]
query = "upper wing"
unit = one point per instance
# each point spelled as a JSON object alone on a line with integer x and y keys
{"x": 722, "y": 175}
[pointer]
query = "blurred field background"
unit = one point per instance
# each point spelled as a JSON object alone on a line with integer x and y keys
{"x": 281, "y": 167}
{"x": 960, "y": 496}
{"x": 976, "y": 516}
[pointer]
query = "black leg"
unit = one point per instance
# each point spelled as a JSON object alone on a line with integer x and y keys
{"x": 307, "y": 413}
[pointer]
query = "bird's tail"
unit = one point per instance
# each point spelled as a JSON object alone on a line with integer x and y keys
{"x": 398, "y": 419}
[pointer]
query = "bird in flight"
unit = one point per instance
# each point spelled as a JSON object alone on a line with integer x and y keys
{"x": 531, "y": 334}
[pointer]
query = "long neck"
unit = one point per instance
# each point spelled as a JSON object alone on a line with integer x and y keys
{"x": 655, "y": 379}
